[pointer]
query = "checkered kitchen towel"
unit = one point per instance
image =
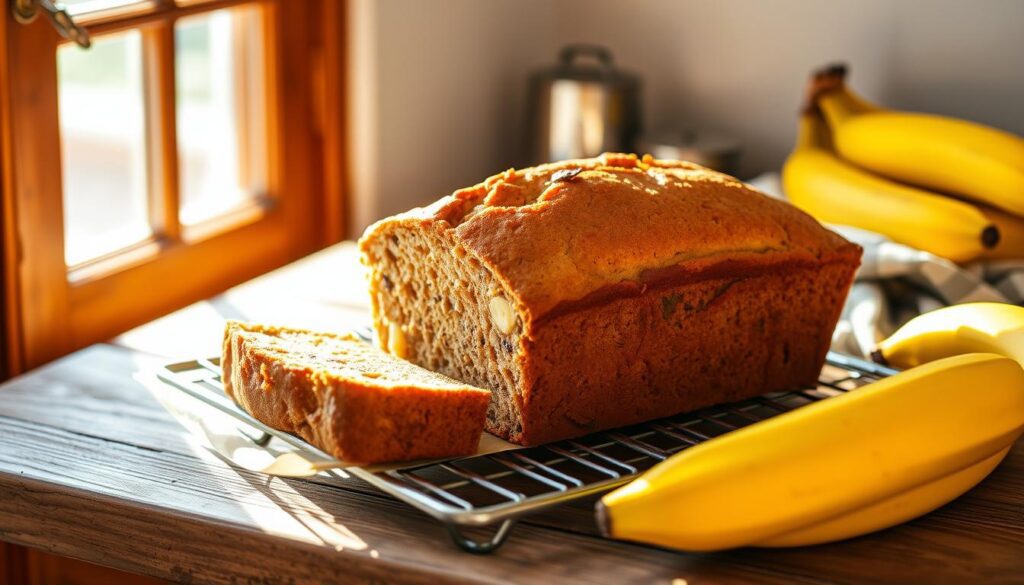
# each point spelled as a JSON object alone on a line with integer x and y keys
{"x": 895, "y": 283}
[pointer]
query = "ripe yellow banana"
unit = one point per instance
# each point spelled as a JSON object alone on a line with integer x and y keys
{"x": 832, "y": 190}
{"x": 972, "y": 327}
{"x": 935, "y": 152}
{"x": 894, "y": 510}
{"x": 859, "y": 462}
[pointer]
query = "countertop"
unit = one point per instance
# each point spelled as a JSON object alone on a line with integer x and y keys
{"x": 93, "y": 467}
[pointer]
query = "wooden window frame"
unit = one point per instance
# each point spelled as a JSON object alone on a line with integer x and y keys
{"x": 47, "y": 314}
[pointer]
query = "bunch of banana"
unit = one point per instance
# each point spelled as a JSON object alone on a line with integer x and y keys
{"x": 852, "y": 464}
{"x": 951, "y": 187}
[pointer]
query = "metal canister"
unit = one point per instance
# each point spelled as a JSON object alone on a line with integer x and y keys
{"x": 583, "y": 106}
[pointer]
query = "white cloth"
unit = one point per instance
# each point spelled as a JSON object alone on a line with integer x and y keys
{"x": 896, "y": 283}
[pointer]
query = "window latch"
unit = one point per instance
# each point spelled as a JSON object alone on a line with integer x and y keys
{"x": 25, "y": 11}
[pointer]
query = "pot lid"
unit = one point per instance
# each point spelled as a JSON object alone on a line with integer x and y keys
{"x": 592, "y": 63}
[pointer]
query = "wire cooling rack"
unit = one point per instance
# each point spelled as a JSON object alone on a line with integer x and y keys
{"x": 495, "y": 490}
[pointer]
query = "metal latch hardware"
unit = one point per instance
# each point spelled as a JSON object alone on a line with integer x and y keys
{"x": 25, "y": 11}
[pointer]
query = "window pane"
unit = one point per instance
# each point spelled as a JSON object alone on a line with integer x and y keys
{"x": 84, "y": 7}
{"x": 103, "y": 146}
{"x": 221, "y": 112}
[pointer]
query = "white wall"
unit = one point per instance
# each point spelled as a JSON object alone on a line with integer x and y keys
{"x": 447, "y": 77}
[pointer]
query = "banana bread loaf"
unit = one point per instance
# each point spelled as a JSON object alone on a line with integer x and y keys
{"x": 347, "y": 397}
{"x": 596, "y": 293}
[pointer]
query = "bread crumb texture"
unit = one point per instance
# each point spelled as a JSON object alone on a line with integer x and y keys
{"x": 347, "y": 397}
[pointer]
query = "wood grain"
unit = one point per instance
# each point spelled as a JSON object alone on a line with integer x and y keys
{"x": 162, "y": 129}
{"x": 92, "y": 467}
{"x": 35, "y": 191}
{"x": 47, "y": 569}
{"x": 194, "y": 517}
{"x": 333, "y": 99}
{"x": 10, "y": 319}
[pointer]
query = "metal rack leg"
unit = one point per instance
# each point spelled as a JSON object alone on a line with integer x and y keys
{"x": 256, "y": 436}
{"x": 481, "y": 547}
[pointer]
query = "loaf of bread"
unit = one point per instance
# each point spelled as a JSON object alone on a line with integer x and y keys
{"x": 347, "y": 397}
{"x": 590, "y": 294}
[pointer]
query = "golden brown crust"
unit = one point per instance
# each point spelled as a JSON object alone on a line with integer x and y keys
{"x": 616, "y": 218}
{"x": 638, "y": 288}
{"x": 356, "y": 419}
{"x": 677, "y": 349}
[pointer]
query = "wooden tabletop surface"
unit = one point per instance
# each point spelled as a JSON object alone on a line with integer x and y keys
{"x": 93, "y": 467}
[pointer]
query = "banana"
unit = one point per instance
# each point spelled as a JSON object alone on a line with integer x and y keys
{"x": 894, "y": 510}
{"x": 859, "y": 462}
{"x": 935, "y": 152}
{"x": 971, "y": 327}
{"x": 832, "y": 190}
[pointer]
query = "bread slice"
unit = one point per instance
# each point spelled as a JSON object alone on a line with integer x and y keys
{"x": 348, "y": 398}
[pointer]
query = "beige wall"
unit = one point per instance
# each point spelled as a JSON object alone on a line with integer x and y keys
{"x": 439, "y": 95}
{"x": 441, "y": 83}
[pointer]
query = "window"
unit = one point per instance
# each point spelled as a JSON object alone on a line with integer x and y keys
{"x": 188, "y": 149}
{"x": 100, "y": 104}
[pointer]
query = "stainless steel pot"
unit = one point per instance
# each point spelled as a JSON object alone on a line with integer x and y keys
{"x": 583, "y": 106}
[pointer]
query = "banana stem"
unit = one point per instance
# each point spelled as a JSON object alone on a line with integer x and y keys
{"x": 825, "y": 80}
{"x": 828, "y": 91}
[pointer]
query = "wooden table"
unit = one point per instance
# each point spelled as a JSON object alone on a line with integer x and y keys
{"x": 92, "y": 467}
